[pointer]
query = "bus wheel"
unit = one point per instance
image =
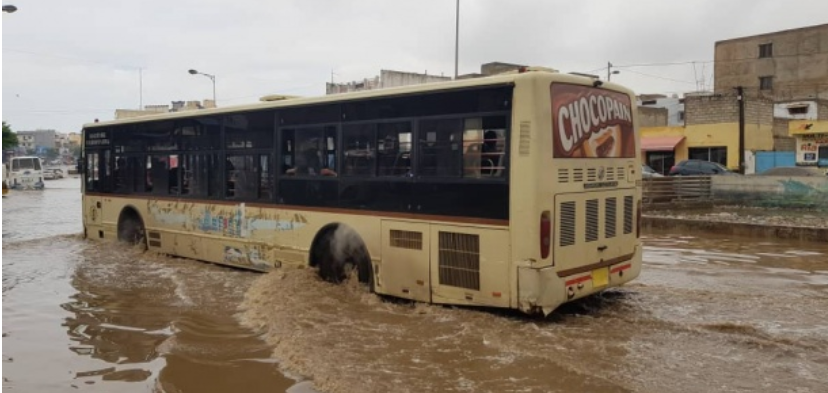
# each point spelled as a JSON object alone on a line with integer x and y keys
{"x": 131, "y": 228}
{"x": 336, "y": 251}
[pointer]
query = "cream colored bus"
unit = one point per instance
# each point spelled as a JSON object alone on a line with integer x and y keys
{"x": 515, "y": 191}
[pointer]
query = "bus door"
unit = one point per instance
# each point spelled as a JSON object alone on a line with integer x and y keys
{"x": 405, "y": 260}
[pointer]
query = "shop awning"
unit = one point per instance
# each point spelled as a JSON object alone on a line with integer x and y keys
{"x": 660, "y": 143}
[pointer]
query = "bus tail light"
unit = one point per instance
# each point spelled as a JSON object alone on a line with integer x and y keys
{"x": 545, "y": 234}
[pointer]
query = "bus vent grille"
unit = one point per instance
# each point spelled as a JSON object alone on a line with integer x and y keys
{"x": 592, "y": 220}
{"x": 567, "y": 224}
{"x": 459, "y": 260}
{"x": 578, "y": 175}
{"x": 154, "y": 235}
{"x": 407, "y": 239}
{"x": 610, "y": 218}
{"x": 621, "y": 173}
{"x": 525, "y": 142}
{"x": 563, "y": 175}
{"x": 610, "y": 173}
{"x": 628, "y": 214}
{"x": 592, "y": 174}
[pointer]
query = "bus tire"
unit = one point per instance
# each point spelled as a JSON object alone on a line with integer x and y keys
{"x": 336, "y": 250}
{"x": 131, "y": 227}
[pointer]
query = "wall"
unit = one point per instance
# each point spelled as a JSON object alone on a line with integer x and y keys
{"x": 772, "y": 191}
{"x": 652, "y": 117}
{"x": 396, "y": 78}
{"x": 757, "y": 138}
{"x": 799, "y": 64}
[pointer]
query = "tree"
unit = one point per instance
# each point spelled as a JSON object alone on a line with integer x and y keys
{"x": 9, "y": 137}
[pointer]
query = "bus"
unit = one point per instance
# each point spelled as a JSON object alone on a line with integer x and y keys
{"x": 519, "y": 190}
{"x": 25, "y": 173}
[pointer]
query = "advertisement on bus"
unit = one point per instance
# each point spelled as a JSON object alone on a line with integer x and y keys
{"x": 590, "y": 122}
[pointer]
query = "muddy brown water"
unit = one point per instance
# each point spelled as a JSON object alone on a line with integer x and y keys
{"x": 707, "y": 314}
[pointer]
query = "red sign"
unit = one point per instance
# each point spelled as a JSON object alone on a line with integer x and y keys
{"x": 589, "y": 122}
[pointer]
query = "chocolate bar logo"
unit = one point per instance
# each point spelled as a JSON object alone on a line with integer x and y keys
{"x": 591, "y": 122}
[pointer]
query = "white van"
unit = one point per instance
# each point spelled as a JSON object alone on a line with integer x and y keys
{"x": 25, "y": 173}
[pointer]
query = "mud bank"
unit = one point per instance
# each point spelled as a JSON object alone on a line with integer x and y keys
{"x": 710, "y": 225}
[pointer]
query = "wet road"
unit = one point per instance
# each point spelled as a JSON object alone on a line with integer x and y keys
{"x": 724, "y": 315}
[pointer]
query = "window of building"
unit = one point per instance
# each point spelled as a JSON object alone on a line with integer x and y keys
{"x": 681, "y": 115}
{"x": 765, "y": 83}
{"x": 765, "y": 50}
{"x": 798, "y": 110}
{"x": 713, "y": 154}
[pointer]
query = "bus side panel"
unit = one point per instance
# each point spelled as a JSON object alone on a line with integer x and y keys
{"x": 405, "y": 264}
{"x": 93, "y": 217}
{"x": 470, "y": 265}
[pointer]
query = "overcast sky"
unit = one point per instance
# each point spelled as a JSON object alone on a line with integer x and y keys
{"x": 66, "y": 63}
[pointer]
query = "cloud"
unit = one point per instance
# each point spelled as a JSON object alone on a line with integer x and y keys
{"x": 67, "y": 63}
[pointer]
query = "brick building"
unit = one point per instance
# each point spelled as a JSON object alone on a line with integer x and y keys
{"x": 783, "y": 65}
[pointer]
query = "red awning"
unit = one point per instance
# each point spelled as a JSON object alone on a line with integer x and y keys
{"x": 660, "y": 143}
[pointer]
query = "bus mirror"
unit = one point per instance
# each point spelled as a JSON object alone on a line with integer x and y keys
{"x": 79, "y": 167}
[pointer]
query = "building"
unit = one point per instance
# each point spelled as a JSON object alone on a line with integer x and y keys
{"x": 386, "y": 79}
{"x": 711, "y": 133}
{"x": 176, "y": 106}
{"x": 784, "y": 65}
{"x": 674, "y": 108}
{"x": 811, "y": 142}
{"x": 37, "y": 141}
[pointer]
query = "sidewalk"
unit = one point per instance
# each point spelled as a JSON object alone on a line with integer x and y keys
{"x": 803, "y": 225}
{"x": 747, "y": 215}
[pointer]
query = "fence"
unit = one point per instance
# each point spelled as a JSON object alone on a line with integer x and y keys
{"x": 672, "y": 189}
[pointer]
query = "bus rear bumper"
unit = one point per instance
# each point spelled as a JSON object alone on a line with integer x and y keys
{"x": 542, "y": 290}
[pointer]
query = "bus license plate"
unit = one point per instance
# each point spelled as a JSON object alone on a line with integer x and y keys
{"x": 600, "y": 277}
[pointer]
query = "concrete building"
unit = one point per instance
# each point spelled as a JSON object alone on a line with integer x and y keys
{"x": 37, "y": 141}
{"x": 783, "y": 65}
{"x": 674, "y": 107}
{"x": 175, "y": 106}
{"x": 387, "y": 78}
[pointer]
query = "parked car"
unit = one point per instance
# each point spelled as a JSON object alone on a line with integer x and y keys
{"x": 699, "y": 168}
{"x": 647, "y": 172}
{"x": 52, "y": 174}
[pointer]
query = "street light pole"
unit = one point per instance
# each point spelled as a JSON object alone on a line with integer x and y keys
{"x": 212, "y": 78}
{"x": 456, "y": 38}
{"x": 610, "y": 72}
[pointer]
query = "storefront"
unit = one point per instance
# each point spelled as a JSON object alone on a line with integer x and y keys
{"x": 660, "y": 152}
{"x": 811, "y": 142}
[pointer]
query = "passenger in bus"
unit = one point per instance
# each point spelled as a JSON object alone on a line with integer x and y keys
{"x": 490, "y": 154}
{"x": 309, "y": 163}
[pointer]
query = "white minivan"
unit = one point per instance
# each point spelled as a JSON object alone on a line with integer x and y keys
{"x": 25, "y": 173}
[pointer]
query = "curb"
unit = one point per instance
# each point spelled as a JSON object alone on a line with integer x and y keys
{"x": 807, "y": 234}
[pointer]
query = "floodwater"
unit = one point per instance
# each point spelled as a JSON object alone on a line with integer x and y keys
{"x": 707, "y": 314}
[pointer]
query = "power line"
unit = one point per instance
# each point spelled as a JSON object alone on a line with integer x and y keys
{"x": 660, "y": 77}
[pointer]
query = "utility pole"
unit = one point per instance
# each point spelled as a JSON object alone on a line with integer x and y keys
{"x": 456, "y": 39}
{"x": 609, "y": 71}
{"x": 740, "y": 96}
{"x": 140, "y": 89}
